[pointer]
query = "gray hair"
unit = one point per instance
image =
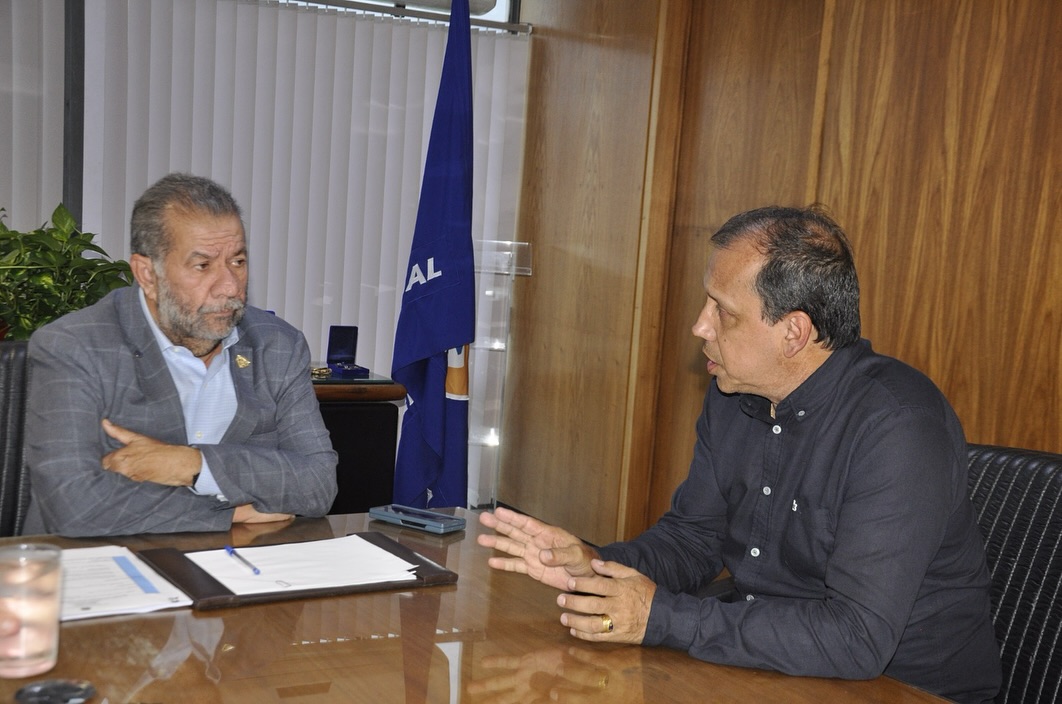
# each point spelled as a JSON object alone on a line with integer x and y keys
{"x": 176, "y": 192}
{"x": 808, "y": 266}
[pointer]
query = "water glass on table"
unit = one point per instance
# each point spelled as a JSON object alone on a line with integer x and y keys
{"x": 29, "y": 609}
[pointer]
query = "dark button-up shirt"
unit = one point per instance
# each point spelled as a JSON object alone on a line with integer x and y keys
{"x": 846, "y": 524}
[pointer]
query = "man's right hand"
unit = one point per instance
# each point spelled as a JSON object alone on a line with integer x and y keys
{"x": 247, "y": 514}
{"x": 145, "y": 459}
{"x": 547, "y": 553}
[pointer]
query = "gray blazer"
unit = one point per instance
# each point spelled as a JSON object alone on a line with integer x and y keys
{"x": 103, "y": 362}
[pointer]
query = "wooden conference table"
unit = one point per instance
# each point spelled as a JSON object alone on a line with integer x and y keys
{"x": 492, "y": 637}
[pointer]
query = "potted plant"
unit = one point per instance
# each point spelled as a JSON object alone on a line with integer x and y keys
{"x": 51, "y": 271}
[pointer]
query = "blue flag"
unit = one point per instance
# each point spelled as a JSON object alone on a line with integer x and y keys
{"x": 438, "y": 317}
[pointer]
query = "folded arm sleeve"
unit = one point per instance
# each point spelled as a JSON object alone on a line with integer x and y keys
{"x": 286, "y": 464}
{"x": 70, "y": 393}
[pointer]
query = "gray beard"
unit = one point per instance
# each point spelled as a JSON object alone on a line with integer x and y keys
{"x": 189, "y": 328}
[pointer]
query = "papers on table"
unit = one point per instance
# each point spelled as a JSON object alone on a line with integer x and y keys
{"x": 111, "y": 580}
{"x": 336, "y": 562}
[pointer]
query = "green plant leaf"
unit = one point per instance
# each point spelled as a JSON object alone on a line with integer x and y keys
{"x": 63, "y": 220}
{"x": 53, "y": 270}
{"x": 92, "y": 247}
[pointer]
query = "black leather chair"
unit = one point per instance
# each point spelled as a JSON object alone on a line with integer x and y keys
{"x": 1017, "y": 495}
{"x": 14, "y": 482}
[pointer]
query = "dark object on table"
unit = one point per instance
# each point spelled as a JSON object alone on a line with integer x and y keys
{"x": 56, "y": 692}
{"x": 342, "y": 349}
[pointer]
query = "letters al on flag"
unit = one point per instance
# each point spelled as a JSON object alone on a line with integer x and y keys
{"x": 437, "y": 320}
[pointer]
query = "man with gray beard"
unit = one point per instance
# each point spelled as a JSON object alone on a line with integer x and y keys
{"x": 172, "y": 405}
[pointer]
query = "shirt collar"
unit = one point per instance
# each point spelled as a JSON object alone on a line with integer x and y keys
{"x": 164, "y": 342}
{"x": 820, "y": 387}
{"x": 814, "y": 393}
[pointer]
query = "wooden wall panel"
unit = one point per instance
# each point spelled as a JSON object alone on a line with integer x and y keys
{"x": 943, "y": 160}
{"x": 665, "y": 132}
{"x": 572, "y": 328}
{"x": 927, "y": 127}
{"x": 747, "y": 133}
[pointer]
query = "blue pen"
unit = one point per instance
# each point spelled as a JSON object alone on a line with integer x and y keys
{"x": 232, "y": 553}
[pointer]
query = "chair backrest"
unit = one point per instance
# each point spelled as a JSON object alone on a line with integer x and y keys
{"x": 14, "y": 481}
{"x": 1017, "y": 495}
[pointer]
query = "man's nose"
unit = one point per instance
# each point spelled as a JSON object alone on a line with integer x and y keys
{"x": 703, "y": 327}
{"x": 228, "y": 283}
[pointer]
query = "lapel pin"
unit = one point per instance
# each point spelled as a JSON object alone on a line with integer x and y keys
{"x": 242, "y": 362}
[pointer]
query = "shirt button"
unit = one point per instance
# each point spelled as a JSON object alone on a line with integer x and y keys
{"x": 766, "y": 491}
{"x": 199, "y": 436}
{"x": 749, "y": 597}
{"x": 777, "y": 429}
{"x": 800, "y": 413}
{"x": 755, "y": 552}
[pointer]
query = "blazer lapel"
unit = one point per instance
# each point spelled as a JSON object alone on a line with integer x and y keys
{"x": 243, "y": 369}
{"x": 152, "y": 373}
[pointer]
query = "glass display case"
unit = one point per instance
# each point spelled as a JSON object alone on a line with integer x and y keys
{"x": 498, "y": 264}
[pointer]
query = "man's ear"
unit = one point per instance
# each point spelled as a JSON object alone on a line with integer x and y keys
{"x": 799, "y": 332}
{"x": 144, "y": 273}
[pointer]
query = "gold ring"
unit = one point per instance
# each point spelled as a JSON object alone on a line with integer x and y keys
{"x": 606, "y": 623}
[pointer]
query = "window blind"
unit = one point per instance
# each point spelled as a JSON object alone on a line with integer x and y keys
{"x": 31, "y": 111}
{"x": 317, "y": 120}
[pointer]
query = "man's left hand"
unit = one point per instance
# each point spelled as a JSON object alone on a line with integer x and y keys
{"x": 145, "y": 459}
{"x": 616, "y": 592}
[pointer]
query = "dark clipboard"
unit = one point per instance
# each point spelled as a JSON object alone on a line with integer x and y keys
{"x": 207, "y": 593}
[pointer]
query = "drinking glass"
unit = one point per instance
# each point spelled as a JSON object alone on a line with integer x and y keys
{"x": 29, "y": 608}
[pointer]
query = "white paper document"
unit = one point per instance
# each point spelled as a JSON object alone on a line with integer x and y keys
{"x": 335, "y": 562}
{"x": 111, "y": 580}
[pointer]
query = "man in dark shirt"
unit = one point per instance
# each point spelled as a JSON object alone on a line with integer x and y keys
{"x": 829, "y": 480}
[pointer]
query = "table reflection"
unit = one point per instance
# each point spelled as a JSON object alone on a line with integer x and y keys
{"x": 572, "y": 674}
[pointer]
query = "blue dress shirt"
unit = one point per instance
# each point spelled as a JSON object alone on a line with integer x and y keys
{"x": 207, "y": 393}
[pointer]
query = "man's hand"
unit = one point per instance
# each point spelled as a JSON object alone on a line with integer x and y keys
{"x": 145, "y": 459}
{"x": 247, "y": 514}
{"x": 617, "y": 592}
{"x": 548, "y": 554}
{"x": 598, "y": 591}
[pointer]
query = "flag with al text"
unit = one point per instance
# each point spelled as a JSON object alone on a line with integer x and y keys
{"x": 437, "y": 322}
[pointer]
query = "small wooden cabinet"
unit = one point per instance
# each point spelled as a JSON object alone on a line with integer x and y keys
{"x": 362, "y": 418}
